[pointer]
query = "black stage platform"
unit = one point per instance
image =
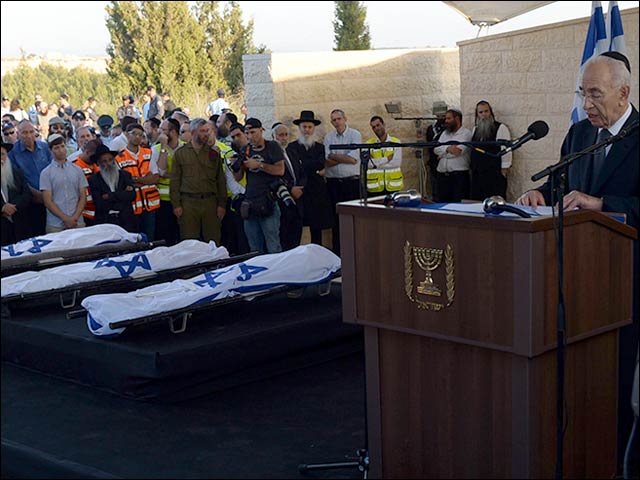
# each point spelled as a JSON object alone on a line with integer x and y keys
{"x": 250, "y": 390}
{"x": 222, "y": 347}
{"x": 57, "y": 429}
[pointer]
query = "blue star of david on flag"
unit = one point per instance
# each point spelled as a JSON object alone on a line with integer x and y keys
{"x": 249, "y": 271}
{"x": 36, "y": 247}
{"x": 210, "y": 278}
{"x": 125, "y": 267}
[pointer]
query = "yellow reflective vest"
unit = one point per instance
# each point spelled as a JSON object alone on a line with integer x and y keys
{"x": 381, "y": 179}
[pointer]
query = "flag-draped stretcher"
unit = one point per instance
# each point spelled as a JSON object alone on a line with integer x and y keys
{"x": 71, "y": 239}
{"x": 304, "y": 265}
{"x": 132, "y": 265}
{"x": 68, "y": 246}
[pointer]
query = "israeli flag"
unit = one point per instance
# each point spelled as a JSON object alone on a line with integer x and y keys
{"x": 595, "y": 44}
{"x": 131, "y": 265}
{"x": 71, "y": 239}
{"x": 615, "y": 34}
{"x": 304, "y": 265}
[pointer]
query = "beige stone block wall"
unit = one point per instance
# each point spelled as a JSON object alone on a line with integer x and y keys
{"x": 280, "y": 85}
{"x": 531, "y": 75}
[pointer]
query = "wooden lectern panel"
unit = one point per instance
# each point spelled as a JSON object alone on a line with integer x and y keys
{"x": 460, "y": 326}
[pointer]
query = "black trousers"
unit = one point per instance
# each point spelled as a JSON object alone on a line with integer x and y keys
{"x": 453, "y": 186}
{"x": 167, "y": 227}
{"x": 290, "y": 226}
{"x": 233, "y": 236}
{"x": 341, "y": 190}
{"x": 487, "y": 183}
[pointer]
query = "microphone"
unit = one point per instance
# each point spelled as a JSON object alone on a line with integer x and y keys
{"x": 407, "y": 198}
{"x": 536, "y": 130}
{"x": 496, "y": 204}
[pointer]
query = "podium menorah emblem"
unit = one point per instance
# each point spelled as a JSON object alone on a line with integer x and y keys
{"x": 429, "y": 260}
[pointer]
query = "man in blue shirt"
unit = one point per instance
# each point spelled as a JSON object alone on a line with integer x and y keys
{"x": 32, "y": 156}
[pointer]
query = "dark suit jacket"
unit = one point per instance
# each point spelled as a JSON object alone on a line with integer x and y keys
{"x": 20, "y": 196}
{"x": 618, "y": 180}
{"x": 119, "y": 200}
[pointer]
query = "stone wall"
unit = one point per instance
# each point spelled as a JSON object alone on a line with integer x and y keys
{"x": 280, "y": 85}
{"x": 531, "y": 75}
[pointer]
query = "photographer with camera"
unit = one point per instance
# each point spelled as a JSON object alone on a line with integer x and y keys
{"x": 263, "y": 164}
{"x": 233, "y": 236}
{"x": 289, "y": 190}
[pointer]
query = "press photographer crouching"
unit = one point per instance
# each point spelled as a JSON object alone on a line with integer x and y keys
{"x": 262, "y": 164}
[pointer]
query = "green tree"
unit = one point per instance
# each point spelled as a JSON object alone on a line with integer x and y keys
{"x": 155, "y": 43}
{"x": 350, "y": 27}
{"x": 227, "y": 39}
{"x": 52, "y": 80}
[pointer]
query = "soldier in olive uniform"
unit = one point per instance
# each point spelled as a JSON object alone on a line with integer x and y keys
{"x": 198, "y": 186}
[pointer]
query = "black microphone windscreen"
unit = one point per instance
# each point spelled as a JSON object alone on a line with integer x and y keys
{"x": 539, "y": 129}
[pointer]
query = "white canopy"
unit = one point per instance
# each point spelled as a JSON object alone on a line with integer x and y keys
{"x": 489, "y": 13}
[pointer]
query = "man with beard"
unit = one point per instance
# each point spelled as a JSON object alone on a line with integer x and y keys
{"x": 112, "y": 191}
{"x": 453, "y": 160}
{"x": 488, "y": 171}
{"x": 198, "y": 188}
{"x": 16, "y": 197}
{"x": 224, "y": 122}
{"x": 310, "y": 154}
{"x": 294, "y": 180}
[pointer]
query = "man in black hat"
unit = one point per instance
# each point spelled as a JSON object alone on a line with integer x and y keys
{"x": 112, "y": 191}
{"x": 264, "y": 165}
{"x": 310, "y": 154}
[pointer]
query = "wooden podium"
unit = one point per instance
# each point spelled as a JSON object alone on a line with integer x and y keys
{"x": 459, "y": 313}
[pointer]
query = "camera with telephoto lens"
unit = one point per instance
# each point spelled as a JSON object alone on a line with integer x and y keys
{"x": 279, "y": 190}
{"x": 236, "y": 165}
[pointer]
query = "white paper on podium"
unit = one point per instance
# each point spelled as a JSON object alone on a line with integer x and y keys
{"x": 477, "y": 208}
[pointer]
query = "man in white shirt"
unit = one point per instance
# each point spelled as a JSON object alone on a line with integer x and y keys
{"x": 216, "y": 106}
{"x": 342, "y": 168}
{"x": 453, "y": 160}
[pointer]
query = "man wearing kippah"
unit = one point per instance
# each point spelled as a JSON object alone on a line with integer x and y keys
{"x": 453, "y": 179}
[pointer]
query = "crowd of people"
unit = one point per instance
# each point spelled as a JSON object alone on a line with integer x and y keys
{"x": 157, "y": 171}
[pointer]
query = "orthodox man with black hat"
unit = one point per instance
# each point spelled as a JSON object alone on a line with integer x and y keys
{"x": 112, "y": 191}
{"x": 16, "y": 197}
{"x": 606, "y": 181}
{"x": 488, "y": 169}
{"x": 310, "y": 154}
{"x": 64, "y": 189}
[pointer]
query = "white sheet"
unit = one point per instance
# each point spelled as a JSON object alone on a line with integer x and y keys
{"x": 135, "y": 265}
{"x": 104, "y": 234}
{"x": 304, "y": 265}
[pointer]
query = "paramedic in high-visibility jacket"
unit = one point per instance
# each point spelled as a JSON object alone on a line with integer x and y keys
{"x": 384, "y": 174}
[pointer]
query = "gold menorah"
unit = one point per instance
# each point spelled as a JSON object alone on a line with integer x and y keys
{"x": 428, "y": 259}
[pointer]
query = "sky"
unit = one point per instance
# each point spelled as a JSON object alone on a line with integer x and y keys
{"x": 31, "y": 26}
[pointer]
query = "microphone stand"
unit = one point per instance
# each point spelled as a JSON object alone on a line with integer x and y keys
{"x": 365, "y": 158}
{"x": 558, "y": 173}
